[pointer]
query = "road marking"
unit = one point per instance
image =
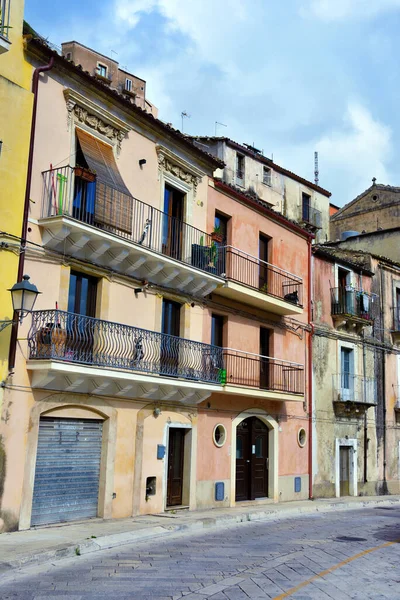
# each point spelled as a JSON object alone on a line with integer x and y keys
{"x": 295, "y": 589}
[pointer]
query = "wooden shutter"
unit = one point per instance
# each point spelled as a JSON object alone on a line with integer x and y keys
{"x": 114, "y": 202}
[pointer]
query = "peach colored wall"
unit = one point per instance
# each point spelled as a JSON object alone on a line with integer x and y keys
{"x": 288, "y": 250}
{"x": 55, "y": 145}
{"x": 212, "y": 460}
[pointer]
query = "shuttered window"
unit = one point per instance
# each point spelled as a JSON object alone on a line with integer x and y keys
{"x": 114, "y": 202}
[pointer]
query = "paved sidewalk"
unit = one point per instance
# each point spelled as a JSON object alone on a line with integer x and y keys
{"x": 45, "y": 544}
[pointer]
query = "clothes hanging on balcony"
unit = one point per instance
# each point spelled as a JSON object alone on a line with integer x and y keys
{"x": 114, "y": 202}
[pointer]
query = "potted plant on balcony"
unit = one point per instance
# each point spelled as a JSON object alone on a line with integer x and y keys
{"x": 217, "y": 235}
{"x": 85, "y": 174}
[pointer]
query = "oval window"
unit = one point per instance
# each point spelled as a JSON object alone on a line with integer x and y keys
{"x": 302, "y": 437}
{"x": 219, "y": 435}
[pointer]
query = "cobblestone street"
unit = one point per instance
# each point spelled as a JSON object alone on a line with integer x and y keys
{"x": 348, "y": 554}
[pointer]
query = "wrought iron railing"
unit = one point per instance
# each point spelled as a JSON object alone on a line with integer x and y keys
{"x": 311, "y": 215}
{"x": 261, "y": 276}
{"x": 349, "y": 301}
{"x": 5, "y": 18}
{"x": 263, "y": 372}
{"x": 74, "y": 192}
{"x": 348, "y": 387}
{"x": 78, "y": 339}
{"x": 73, "y": 338}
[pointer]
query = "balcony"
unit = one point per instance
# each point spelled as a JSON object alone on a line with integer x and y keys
{"x": 75, "y": 353}
{"x": 94, "y": 222}
{"x": 258, "y": 283}
{"x": 396, "y": 324}
{"x": 311, "y": 217}
{"x": 270, "y": 378}
{"x": 353, "y": 393}
{"x": 5, "y": 25}
{"x": 352, "y": 308}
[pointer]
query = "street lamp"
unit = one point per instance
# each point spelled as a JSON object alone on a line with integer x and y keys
{"x": 23, "y": 295}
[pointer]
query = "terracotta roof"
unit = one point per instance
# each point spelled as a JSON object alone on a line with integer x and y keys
{"x": 262, "y": 206}
{"x": 267, "y": 161}
{"x": 333, "y": 248}
{"x": 41, "y": 45}
{"x": 354, "y": 259}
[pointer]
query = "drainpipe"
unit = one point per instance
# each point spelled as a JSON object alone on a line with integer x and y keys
{"x": 310, "y": 374}
{"x": 21, "y": 263}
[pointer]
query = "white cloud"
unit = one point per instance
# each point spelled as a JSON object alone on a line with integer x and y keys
{"x": 335, "y": 10}
{"x": 129, "y": 11}
{"x": 349, "y": 156}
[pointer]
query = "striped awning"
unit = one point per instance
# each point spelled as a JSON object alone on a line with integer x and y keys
{"x": 100, "y": 158}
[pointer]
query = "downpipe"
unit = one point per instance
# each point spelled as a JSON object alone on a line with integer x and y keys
{"x": 310, "y": 374}
{"x": 21, "y": 262}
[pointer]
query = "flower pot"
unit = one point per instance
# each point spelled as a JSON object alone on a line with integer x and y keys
{"x": 85, "y": 174}
{"x": 217, "y": 237}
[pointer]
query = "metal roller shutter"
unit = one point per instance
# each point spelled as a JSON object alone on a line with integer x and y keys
{"x": 67, "y": 470}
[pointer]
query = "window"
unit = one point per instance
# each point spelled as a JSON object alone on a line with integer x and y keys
{"x": 217, "y": 330}
{"x": 101, "y": 70}
{"x": 267, "y": 176}
{"x": 306, "y": 205}
{"x": 347, "y": 373}
{"x": 221, "y": 226}
{"x": 128, "y": 85}
{"x": 240, "y": 167}
{"x": 82, "y": 294}
{"x": 397, "y": 311}
{"x": 68, "y": 56}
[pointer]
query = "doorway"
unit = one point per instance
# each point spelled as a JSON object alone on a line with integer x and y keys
{"x": 251, "y": 459}
{"x": 176, "y": 449}
{"x": 344, "y": 470}
{"x": 263, "y": 267}
{"x": 81, "y": 305}
{"x": 172, "y": 235}
{"x": 265, "y": 379}
{"x": 170, "y": 325}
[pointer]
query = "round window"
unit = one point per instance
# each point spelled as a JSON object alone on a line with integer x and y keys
{"x": 219, "y": 435}
{"x": 302, "y": 437}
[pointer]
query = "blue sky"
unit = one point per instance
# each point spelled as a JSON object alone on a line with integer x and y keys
{"x": 290, "y": 76}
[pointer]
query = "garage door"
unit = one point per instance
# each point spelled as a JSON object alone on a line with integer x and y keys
{"x": 67, "y": 470}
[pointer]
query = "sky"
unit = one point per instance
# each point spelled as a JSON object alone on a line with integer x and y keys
{"x": 289, "y": 76}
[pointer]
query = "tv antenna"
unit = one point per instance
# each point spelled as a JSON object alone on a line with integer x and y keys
{"x": 316, "y": 169}
{"x": 216, "y": 125}
{"x": 184, "y": 115}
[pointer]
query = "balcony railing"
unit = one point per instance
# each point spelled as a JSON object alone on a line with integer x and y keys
{"x": 260, "y": 275}
{"x": 73, "y": 338}
{"x": 5, "y": 18}
{"x": 348, "y": 387}
{"x": 351, "y": 302}
{"x": 312, "y": 216}
{"x": 263, "y": 372}
{"x": 74, "y": 192}
{"x": 68, "y": 337}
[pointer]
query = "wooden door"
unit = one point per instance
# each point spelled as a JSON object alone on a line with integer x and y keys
{"x": 259, "y": 459}
{"x": 243, "y": 457}
{"x": 172, "y": 242}
{"x": 169, "y": 359}
{"x": 344, "y": 468}
{"x": 176, "y": 442}
{"x": 251, "y": 460}
{"x": 265, "y": 383}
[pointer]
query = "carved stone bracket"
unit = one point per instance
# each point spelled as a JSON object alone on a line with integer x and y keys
{"x": 84, "y": 111}
{"x": 168, "y": 161}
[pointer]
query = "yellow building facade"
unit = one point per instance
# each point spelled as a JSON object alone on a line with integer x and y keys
{"x": 15, "y": 122}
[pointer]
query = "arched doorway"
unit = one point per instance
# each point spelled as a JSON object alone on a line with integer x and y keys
{"x": 251, "y": 459}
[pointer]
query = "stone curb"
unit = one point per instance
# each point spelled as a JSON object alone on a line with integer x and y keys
{"x": 122, "y": 539}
